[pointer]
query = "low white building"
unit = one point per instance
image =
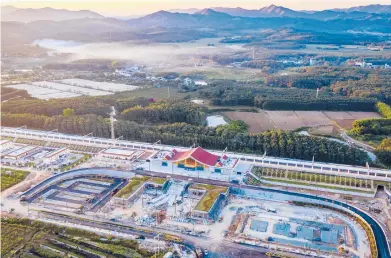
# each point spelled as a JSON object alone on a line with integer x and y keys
{"x": 5, "y": 144}
{"x": 55, "y": 155}
{"x": 124, "y": 154}
{"x": 21, "y": 152}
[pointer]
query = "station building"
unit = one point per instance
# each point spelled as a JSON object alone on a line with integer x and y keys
{"x": 196, "y": 159}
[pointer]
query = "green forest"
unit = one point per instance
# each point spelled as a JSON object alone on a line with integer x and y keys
{"x": 228, "y": 94}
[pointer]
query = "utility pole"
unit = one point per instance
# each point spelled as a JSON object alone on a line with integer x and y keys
{"x": 112, "y": 120}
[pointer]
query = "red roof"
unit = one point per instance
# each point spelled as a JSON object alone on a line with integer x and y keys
{"x": 198, "y": 154}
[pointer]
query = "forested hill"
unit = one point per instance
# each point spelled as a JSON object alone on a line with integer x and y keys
{"x": 173, "y": 122}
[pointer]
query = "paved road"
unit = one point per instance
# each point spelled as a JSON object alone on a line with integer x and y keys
{"x": 351, "y": 141}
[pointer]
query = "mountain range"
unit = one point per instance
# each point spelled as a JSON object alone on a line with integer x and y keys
{"x": 10, "y": 13}
{"x": 280, "y": 11}
{"x": 21, "y": 26}
{"x": 268, "y": 17}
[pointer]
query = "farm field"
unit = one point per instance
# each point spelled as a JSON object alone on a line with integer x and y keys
{"x": 10, "y": 177}
{"x": 257, "y": 122}
{"x": 105, "y": 86}
{"x": 38, "y": 239}
{"x": 71, "y": 88}
{"x": 313, "y": 118}
{"x": 292, "y": 120}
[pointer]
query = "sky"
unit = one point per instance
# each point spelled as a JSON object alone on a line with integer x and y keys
{"x": 139, "y": 7}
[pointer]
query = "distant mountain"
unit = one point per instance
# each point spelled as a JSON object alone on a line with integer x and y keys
{"x": 205, "y": 17}
{"x": 212, "y": 13}
{"x": 5, "y": 10}
{"x": 165, "y": 19}
{"x": 279, "y": 11}
{"x": 189, "y": 10}
{"x": 10, "y": 13}
{"x": 276, "y": 11}
{"x": 237, "y": 11}
{"x": 373, "y": 8}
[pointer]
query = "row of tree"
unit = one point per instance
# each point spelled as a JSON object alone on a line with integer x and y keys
{"x": 81, "y": 105}
{"x": 383, "y": 151}
{"x": 374, "y": 126}
{"x": 167, "y": 111}
{"x": 275, "y": 143}
{"x": 383, "y": 109}
{"x": 283, "y": 98}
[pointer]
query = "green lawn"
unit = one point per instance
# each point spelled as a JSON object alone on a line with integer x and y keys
{"x": 212, "y": 193}
{"x": 10, "y": 177}
{"x": 158, "y": 180}
{"x": 134, "y": 184}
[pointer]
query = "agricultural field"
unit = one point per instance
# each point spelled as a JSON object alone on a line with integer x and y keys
{"x": 14, "y": 237}
{"x": 345, "y": 119}
{"x": 10, "y": 177}
{"x": 104, "y": 86}
{"x": 257, "y": 122}
{"x": 292, "y": 120}
{"x": 25, "y": 238}
{"x": 71, "y": 88}
{"x": 43, "y": 93}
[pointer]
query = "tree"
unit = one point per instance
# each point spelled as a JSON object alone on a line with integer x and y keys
{"x": 68, "y": 112}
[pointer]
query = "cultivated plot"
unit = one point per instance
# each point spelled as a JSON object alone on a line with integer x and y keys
{"x": 44, "y": 93}
{"x": 285, "y": 120}
{"x": 313, "y": 118}
{"x": 70, "y": 88}
{"x": 257, "y": 122}
{"x": 105, "y": 86}
{"x": 292, "y": 120}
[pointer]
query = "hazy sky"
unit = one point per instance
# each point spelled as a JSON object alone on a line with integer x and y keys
{"x": 134, "y": 7}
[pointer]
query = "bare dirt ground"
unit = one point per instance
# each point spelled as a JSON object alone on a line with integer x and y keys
{"x": 346, "y": 124}
{"x": 324, "y": 130}
{"x": 257, "y": 122}
{"x": 362, "y": 115}
{"x": 292, "y": 120}
{"x": 313, "y": 118}
{"x": 285, "y": 120}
